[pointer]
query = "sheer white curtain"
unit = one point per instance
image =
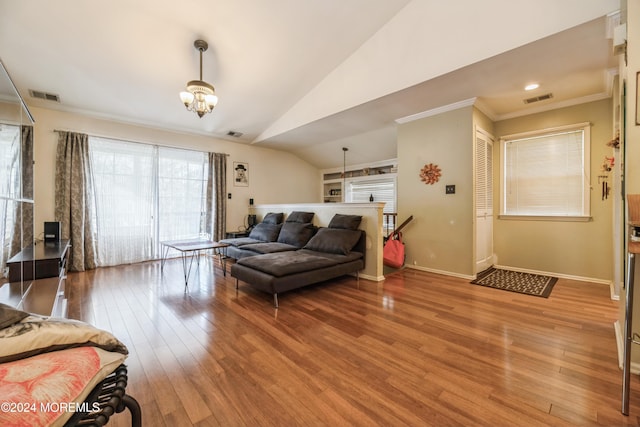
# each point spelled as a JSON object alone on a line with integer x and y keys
{"x": 9, "y": 187}
{"x": 124, "y": 179}
{"x": 144, "y": 195}
{"x": 182, "y": 194}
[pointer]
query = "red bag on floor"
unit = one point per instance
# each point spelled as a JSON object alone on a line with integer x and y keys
{"x": 393, "y": 252}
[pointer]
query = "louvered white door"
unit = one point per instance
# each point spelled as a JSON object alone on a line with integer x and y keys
{"x": 484, "y": 201}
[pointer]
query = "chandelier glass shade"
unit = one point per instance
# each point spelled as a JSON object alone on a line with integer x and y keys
{"x": 200, "y": 96}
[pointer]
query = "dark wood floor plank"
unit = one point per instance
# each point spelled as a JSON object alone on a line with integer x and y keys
{"x": 416, "y": 349}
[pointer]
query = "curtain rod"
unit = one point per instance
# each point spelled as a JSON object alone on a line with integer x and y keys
{"x": 137, "y": 142}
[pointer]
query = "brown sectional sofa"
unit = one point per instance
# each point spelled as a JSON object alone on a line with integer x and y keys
{"x": 299, "y": 255}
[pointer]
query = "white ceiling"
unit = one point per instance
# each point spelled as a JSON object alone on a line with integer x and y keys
{"x": 306, "y": 76}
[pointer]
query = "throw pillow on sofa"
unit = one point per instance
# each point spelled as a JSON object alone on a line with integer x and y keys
{"x": 302, "y": 217}
{"x": 334, "y": 240}
{"x": 273, "y": 218}
{"x": 265, "y": 232}
{"x": 296, "y": 233}
{"x": 350, "y": 222}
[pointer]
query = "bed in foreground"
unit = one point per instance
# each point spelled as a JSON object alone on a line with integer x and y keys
{"x": 56, "y": 372}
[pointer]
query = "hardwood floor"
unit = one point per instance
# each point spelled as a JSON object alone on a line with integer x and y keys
{"x": 417, "y": 349}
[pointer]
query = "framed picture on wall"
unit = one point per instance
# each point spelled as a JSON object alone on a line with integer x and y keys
{"x": 240, "y": 174}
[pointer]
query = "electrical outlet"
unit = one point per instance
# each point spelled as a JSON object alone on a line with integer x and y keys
{"x": 450, "y": 189}
{"x": 228, "y": 195}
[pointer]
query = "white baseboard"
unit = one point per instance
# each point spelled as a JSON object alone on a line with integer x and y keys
{"x": 634, "y": 367}
{"x": 612, "y": 290}
{"x": 558, "y": 275}
{"x": 523, "y": 270}
{"x": 446, "y": 273}
{"x": 370, "y": 277}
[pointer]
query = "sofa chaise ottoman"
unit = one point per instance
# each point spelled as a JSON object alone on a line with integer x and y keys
{"x": 332, "y": 252}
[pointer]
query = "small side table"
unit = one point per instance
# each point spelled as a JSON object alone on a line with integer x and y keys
{"x": 190, "y": 249}
{"x": 236, "y": 234}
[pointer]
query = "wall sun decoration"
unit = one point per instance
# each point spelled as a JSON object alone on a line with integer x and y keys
{"x": 430, "y": 174}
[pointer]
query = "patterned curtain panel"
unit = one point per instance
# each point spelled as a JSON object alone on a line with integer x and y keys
{"x": 216, "y": 195}
{"x": 210, "y": 209}
{"x": 75, "y": 199}
{"x": 22, "y": 235}
{"x": 26, "y": 143}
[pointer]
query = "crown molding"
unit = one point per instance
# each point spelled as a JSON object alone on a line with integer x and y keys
{"x": 436, "y": 111}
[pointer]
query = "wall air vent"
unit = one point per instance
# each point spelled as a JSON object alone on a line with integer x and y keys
{"x": 44, "y": 95}
{"x": 234, "y": 134}
{"x": 538, "y": 98}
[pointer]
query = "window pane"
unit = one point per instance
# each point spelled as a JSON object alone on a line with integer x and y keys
{"x": 9, "y": 160}
{"x": 544, "y": 175}
{"x": 182, "y": 187}
{"x": 123, "y": 179}
{"x": 9, "y": 188}
{"x": 144, "y": 195}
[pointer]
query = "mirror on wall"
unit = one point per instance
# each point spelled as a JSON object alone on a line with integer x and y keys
{"x": 16, "y": 182}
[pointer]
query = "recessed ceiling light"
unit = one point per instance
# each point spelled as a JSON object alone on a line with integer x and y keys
{"x": 532, "y": 86}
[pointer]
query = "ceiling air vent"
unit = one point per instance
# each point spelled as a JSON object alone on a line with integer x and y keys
{"x": 538, "y": 98}
{"x": 44, "y": 95}
{"x": 234, "y": 134}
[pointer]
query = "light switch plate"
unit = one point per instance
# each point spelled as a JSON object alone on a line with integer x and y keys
{"x": 450, "y": 189}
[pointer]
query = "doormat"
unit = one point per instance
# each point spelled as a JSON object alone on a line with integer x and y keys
{"x": 515, "y": 281}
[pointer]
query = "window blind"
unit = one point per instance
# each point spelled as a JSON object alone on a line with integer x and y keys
{"x": 545, "y": 175}
{"x": 382, "y": 190}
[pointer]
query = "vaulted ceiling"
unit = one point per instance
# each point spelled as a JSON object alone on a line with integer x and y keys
{"x": 307, "y": 76}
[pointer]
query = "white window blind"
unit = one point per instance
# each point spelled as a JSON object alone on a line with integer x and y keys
{"x": 382, "y": 190}
{"x": 546, "y": 174}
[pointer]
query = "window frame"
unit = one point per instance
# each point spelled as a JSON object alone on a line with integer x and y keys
{"x": 586, "y": 173}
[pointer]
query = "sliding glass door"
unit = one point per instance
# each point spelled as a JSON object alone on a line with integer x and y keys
{"x": 145, "y": 194}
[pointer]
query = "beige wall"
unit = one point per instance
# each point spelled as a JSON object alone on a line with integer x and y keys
{"x": 581, "y": 249}
{"x": 275, "y": 176}
{"x": 481, "y": 121}
{"x": 440, "y": 238}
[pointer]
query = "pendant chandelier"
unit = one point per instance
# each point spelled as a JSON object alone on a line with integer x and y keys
{"x": 200, "y": 96}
